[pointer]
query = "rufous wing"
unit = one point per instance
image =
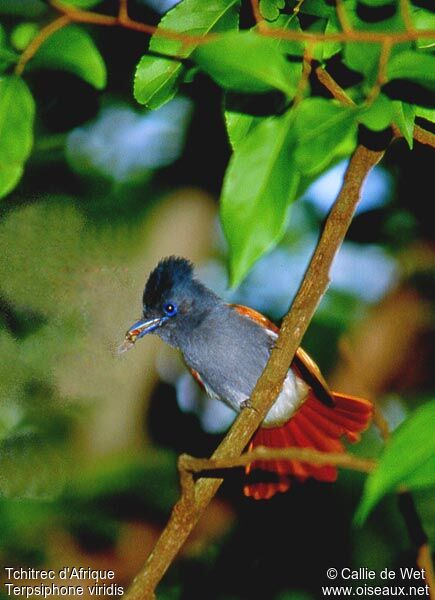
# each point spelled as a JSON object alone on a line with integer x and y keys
{"x": 322, "y": 421}
{"x": 302, "y": 364}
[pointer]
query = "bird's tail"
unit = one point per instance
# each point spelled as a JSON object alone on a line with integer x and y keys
{"x": 314, "y": 426}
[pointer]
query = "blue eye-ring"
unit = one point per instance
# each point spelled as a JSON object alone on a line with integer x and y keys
{"x": 170, "y": 309}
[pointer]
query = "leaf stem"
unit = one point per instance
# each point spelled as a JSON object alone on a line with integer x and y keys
{"x": 332, "y": 86}
{"x": 342, "y": 16}
{"x": 37, "y": 42}
{"x": 257, "y": 13}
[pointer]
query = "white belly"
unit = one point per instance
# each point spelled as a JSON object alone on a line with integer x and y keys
{"x": 293, "y": 394}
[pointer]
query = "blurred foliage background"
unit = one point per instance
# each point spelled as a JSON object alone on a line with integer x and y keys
{"x": 89, "y": 441}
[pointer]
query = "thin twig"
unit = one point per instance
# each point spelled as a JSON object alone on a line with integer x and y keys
{"x": 343, "y": 19}
{"x": 406, "y": 15}
{"x": 381, "y": 78}
{"x": 297, "y": 7}
{"x": 305, "y": 77}
{"x": 354, "y": 35}
{"x": 38, "y": 40}
{"x": 332, "y": 86}
{"x": 255, "y": 7}
{"x": 76, "y": 15}
{"x": 423, "y": 136}
{"x": 123, "y": 11}
{"x": 381, "y": 423}
{"x": 307, "y": 455}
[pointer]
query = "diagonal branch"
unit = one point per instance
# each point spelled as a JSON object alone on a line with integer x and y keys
{"x": 189, "y": 508}
{"x": 423, "y": 136}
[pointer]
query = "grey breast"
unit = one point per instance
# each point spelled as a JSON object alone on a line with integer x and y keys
{"x": 229, "y": 352}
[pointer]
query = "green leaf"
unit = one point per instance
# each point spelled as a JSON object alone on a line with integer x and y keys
{"x": 329, "y": 49}
{"x": 404, "y": 461}
{"x": 72, "y": 49}
{"x": 25, "y": 8}
{"x": 247, "y": 62}
{"x": 425, "y": 113}
{"x": 82, "y": 3}
{"x": 23, "y": 34}
{"x": 317, "y": 8}
{"x": 376, "y": 2}
{"x": 17, "y": 111}
{"x": 239, "y": 125}
{"x": 157, "y": 79}
{"x": 423, "y": 475}
{"x": 413, "y": 66}
{"x": 7, "y": 58}
{"x": 324, "y": 130}
{"x": 424, "y": 20}
{"x": 270, "y": 9}
{"x": 364, "y": 56}
{"x": 290, "y": 23}
{"x": 259, "y": 186}
{"x": 379, "y": 115}
{"x": 404, "y": 116}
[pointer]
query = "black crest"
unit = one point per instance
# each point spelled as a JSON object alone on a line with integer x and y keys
{"x": 170, "y": 273}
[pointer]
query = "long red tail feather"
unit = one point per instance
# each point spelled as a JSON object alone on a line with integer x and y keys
{"x": 313, "y": 426}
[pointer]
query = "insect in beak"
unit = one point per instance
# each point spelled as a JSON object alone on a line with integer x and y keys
{"x": 139, "y": 330}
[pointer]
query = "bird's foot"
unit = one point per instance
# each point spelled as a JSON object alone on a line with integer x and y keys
{"x": 247, "y": 404}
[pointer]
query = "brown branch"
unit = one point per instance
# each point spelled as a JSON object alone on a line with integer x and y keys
{"x": 196, "y": 497}
{"x": 342, "y": 16}
{"x": 308, "y": 455}
{"x": 423, "y": 136}
{"x": 71, "y": 14}
{"x": 188, "y": 509}
{"x": 381, "y": 78}
{"x": 255, "y": 7}
{"x": 333, "y": 88}
{"x": 123, "y": 11}
{"x": 353, "y": 35}
{"x": 424, "y": 561}
{"x": 84, "y": 16}
{"x": 305, "y": 77}
{"x": 189, "y": 465}
{"x": 38, "y": 40}
{"x": 406, "y": 15}
{"x": 76, "y": 15}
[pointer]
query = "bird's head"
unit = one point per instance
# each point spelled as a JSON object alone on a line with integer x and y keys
{"x": 174, "y": 303}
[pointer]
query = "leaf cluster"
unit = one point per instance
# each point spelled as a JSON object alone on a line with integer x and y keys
{"x": 276, "y": 111}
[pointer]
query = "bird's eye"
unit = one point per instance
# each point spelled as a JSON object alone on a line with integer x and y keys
{"x": 170, "y": 309}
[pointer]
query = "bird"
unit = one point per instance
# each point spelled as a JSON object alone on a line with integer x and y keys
{"x": 226, "y": 348}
